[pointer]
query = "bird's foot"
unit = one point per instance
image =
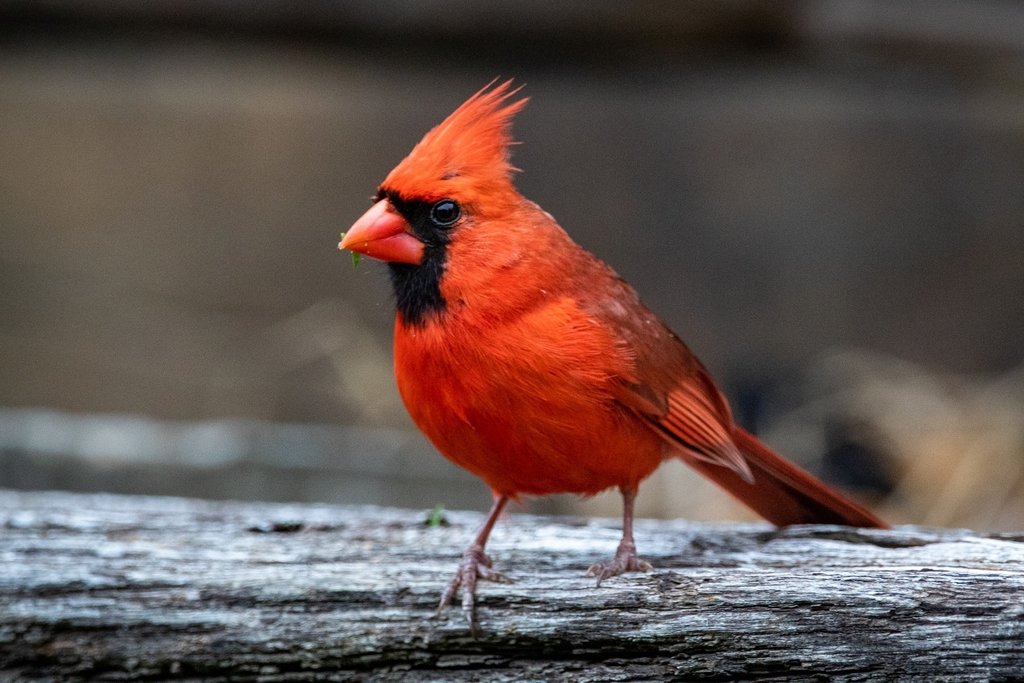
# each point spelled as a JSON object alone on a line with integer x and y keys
{"x": 474, "y": 565}
{"x": 625, "y": 560}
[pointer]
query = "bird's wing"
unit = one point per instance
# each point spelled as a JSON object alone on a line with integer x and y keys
{"x": 666, "y": 386}
{"x": 692, "y": 415}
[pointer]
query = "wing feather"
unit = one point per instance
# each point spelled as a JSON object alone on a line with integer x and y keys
{"x": 691, "y": 419}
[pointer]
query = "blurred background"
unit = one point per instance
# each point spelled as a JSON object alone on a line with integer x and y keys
{"x": 824, "y": 198}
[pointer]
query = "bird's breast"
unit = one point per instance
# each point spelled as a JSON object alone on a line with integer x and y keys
{"x": 525, "y": 403}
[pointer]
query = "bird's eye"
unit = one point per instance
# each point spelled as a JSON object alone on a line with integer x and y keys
{"x": 445, "y": 212}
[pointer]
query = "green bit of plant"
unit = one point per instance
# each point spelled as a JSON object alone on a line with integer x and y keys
{"x": 355, "y": 255}
{"x": 436, "y": 518}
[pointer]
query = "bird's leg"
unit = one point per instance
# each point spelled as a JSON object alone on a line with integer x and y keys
{"x": 474, "y": 565}
{"x": 625, "y": 559}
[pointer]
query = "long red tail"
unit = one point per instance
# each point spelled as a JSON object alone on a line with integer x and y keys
{"x": 783, "y": 493}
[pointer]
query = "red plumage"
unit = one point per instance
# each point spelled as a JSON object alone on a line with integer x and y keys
{"x": 529, "y": 362}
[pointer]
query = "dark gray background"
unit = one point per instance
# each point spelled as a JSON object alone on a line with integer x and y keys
{"x": 820, "y": 197}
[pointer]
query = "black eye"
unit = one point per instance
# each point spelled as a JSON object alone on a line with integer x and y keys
{"x": 445, "y": 212}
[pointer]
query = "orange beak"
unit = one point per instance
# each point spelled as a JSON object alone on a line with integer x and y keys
{"x": 382, "y": 233}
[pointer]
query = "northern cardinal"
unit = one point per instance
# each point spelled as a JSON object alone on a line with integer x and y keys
{"x": 532, "y": 364}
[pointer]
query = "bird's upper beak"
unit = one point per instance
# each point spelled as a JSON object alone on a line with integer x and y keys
{"x": 382, "y": 233}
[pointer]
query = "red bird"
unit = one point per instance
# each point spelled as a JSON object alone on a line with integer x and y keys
{"x": 532, "y": 364}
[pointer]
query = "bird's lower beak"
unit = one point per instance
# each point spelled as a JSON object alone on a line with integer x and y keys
{"x": 382, "y": 233}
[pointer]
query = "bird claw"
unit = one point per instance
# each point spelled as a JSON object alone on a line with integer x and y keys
{"x": 475, "y": 565}
{"x": 625, "y": 560}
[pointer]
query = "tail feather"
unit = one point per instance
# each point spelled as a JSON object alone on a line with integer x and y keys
{"x": 783, "y": 493}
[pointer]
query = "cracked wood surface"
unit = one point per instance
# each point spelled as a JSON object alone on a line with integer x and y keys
{"x": 120, "y": 588}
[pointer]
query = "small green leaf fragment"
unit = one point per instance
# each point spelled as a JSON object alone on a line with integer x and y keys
{"x": 436, "y": 518}
{"x": 355, "y": 255}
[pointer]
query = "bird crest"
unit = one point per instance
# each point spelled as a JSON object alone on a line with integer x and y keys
{"x": 467, "y": 154}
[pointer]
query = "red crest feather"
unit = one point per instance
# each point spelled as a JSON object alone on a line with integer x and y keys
{"x": 467, "y": 153}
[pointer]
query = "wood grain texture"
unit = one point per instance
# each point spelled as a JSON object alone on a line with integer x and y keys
{"x": 130, "y": 589}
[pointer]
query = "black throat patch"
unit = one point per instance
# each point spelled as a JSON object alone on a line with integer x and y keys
{"x": 418, "y": 287}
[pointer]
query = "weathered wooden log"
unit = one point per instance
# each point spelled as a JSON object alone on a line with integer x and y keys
{"x": 97, "y": 587}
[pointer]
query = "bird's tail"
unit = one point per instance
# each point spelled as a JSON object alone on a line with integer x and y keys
{"x": 783, "y": 493}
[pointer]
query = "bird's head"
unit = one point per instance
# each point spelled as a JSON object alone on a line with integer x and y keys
{"x": 457, "y": 177}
